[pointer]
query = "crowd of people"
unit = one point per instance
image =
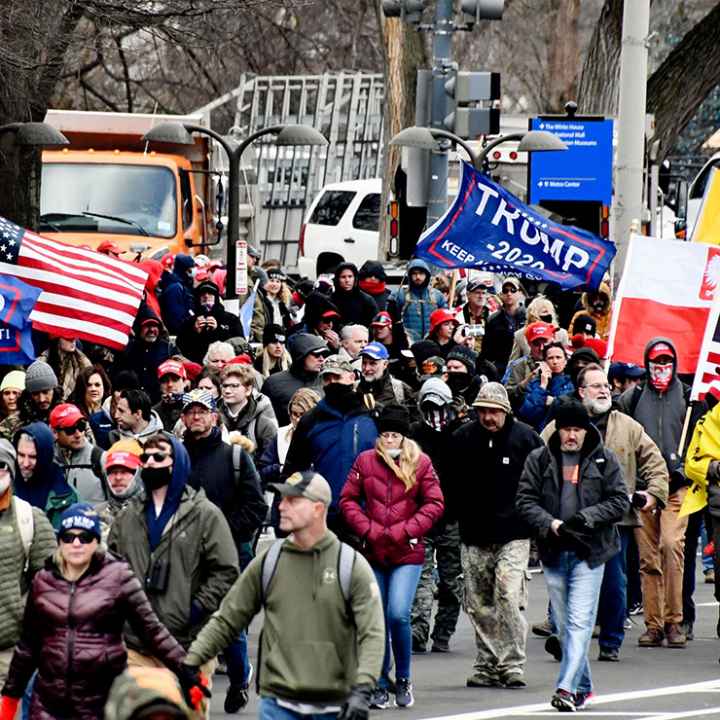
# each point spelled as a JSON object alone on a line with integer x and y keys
{"x": 396, "y": 448}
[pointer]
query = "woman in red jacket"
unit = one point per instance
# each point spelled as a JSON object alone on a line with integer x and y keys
{"x": 391, "y": 500}
{"x": 73, "y": 625}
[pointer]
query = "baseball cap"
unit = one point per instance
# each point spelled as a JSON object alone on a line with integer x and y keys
{"x": 171, "y": 367}
{"x": 634, "y": 371}
{"x": 108, "y": 246}
{"x": 382, "y": 319}
{"x": 122, "y": 458}
{"x": 329, "y": 314}
{"x": 539, "y": 329}
{"x": 477, "y": 283}
{"x": 659, "y": 349}
{"x": 152, "y": 320}
{"x": 198, "y": 396}
{"x": 335, "y": 365}
{"x": 307, "y": 484}
{"x": 510, "y": 280}
{"x": 376, "y": 351}
{"x": 64, "y": 415}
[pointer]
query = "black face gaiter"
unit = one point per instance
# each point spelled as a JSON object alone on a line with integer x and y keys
{"x": 154, "y": 478}
{"x": 458, "y": 381}
{"x": 339, "y": 396}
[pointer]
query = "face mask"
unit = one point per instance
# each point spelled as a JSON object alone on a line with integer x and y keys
{"x": 394, "y": 453}
{"x": 4, "y": 483}
{"x": 337, "y": 392}
{"x": 546, "y": 318}
{"x": 154, "y": 478}
{"x": 661, "y": 375}
{"x": 458, "y": 381}
{"x": 436, "y": 417}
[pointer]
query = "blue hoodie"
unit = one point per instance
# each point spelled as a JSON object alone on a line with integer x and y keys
{"x": 180, "y": 473}
{"x": 416, "y": 303}
{"x": 176, "y": 298}
{"x": 48, "y": 476}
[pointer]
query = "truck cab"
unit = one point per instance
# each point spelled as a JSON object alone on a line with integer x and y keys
{"x": 109, "y": 185}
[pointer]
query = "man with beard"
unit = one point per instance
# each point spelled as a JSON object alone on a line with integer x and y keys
{"x": 227, "y": 475}
{"x": 646, "y": 478}
{"x": 172, "y": 376}
{"x": 180, "y": 543}
{"x": 375, "y": 380}
{"x": 330, "y": 436}
{"x": 41, "y": 394}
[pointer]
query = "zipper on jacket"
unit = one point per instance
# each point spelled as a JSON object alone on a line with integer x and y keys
{"x": 356, "y": 437}
{"x": 71, "y": 643}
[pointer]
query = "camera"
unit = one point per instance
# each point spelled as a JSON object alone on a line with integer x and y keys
{"x": 638, "y": 500}
{"x": 156, "y": 580}
{"x": 473, "y": 330}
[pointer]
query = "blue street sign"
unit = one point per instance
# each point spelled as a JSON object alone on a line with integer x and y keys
{"x": 583, "y": 171}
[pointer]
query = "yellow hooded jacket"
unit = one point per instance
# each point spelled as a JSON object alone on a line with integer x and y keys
{"x": 704, "y": 447}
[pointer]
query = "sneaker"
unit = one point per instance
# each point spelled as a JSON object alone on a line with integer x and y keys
{"x": 552, "y": 646}
{"x": 238, "y": 695}
{"x": 596, "y": 632}
{"x": 651, "y": 638}
{"x": 636, "y": 609}
{"x": 563, "y": 701}
{"x": 513, "y": 681}
{"x": 609, "y": 655}
{"x": 419, "y": 647}
{"x": 709, "y": 576}
{"x": 583, "y": 700}
{"x": 440, "y": 645}
{"x": 675, "y": 636}
{"x": 479, "y": 680}
{"x": 543, "y": 629}
{"x": 379, "y": 698}
{"x": 628, "y": 624}
{"x": 687, "y": 629}
{"x": 404, "y": 693}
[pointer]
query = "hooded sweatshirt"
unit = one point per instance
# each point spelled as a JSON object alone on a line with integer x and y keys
{"x": 154, "y": 426}
{"x": 176, "y": 300}
{"x": 355, "y": 306}
{"x": 47, "y": 489}
{"x": 601, "y": 317}
{"x": 372, "y": 281}
{"x": 416, "y": 303}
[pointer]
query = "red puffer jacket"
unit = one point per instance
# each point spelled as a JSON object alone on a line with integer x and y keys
{"x": 378, "y": 508}
{"x": 72, "y": 634}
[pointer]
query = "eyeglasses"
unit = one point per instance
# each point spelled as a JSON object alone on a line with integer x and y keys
{"x": 196, "y": 410}
{"x": 79, "y": 426}
{"x": 156, "y": 456}
{"x": 67, "y": 537}
{"x": 230, "y": 386}
{"x": 508, "y": 289}
{"x": 598, "y": 386}
{"x": 318, "y": 354}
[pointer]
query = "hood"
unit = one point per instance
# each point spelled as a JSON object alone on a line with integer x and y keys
{"x": 372, "y": 268}
{"x": 315, "y": 305}
{"x": 183, "y": 263}
{"x": 302, "y": 344}
{"x": 181, "y": 470}
{"x": 418, "y": 264}
{"x": 346, "y": 266}
{"x": 593, "y": 440}
{"x": 650, "y": 345}
{"x": 48, "y": 475}
{"x": 203, "y": 287}
{"x": 436, "y": 387}
{"x": 44, "y": 445}
{"x": 604, "y": 292}
{"x": 145, "y": 312}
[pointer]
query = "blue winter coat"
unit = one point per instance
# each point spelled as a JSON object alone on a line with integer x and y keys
{"x": 414, "y": 305}
{"x": 176, "y": 298}
{"x": 534, "y": 410}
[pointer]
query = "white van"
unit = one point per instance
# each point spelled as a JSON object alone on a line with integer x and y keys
{"x": 343, "y": 221}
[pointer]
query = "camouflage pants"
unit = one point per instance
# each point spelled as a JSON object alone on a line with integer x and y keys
{"x": 495, "y": 596}
{"x": 443, "y": 548}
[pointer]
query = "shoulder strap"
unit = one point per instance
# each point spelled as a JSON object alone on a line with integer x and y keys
{"x": 96, "y": 466}
{"x": 236, "y": 458}
{"x": 269, "y": 564}
{"x": 635, "y": 399}
{"x": 346, "y": 562}
{"x": 26, "y": 526}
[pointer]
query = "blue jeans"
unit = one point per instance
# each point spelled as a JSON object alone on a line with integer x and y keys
{"x": 236, "y": 654}
{"x": 612, "y": 610}
{"x": 270, "y": 710}
{"x": 397, "y": 590}
{"x": 574, "y": 589}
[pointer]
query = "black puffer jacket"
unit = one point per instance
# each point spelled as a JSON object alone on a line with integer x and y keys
{"x": 355, "y": 306}
{"x": 72, "y": 635}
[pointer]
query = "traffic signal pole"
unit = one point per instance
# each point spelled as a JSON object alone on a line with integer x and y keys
{"x": 443, "y": 29}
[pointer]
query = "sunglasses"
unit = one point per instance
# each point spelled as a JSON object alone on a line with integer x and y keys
{"x": 67, "y": 537}
{"x": 156, "y": 456}
{"x": 79, "y": 426}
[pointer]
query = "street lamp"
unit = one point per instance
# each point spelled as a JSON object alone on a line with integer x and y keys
{"x": 35, "y": 134}
{"x": 285, "y": 135}
{"x": 426, "y": 139}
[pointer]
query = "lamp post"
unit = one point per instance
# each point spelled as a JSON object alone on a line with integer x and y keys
{"x": 285, "y": 135}
{"x": 530, "y": 141}
{"x": 35, "y": 134}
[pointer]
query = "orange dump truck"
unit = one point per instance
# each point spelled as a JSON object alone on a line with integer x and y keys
{"x": 109, "y": 184}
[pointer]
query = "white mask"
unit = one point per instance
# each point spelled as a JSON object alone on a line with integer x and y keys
{"x": 394, "y": 453}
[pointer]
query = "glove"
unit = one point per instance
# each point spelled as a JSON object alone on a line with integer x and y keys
{"x": 357, "y": 706}
{"x": 8, "y": 707}
{"x": 677, "y": 481}
{"x": 577, "y": 542}
{"x": 197, "y": 613}
{"x": 194, "y": 685}
{"x": 576, "y": 524}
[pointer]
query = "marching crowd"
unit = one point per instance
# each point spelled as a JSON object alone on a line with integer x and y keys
{"x": 396, "y": 448}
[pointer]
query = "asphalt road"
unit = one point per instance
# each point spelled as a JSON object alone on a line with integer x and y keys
{"x": 647, "y": 683}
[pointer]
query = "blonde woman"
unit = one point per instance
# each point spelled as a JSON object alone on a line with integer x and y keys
{"x": 272, "y": 304}
{"x": 274, "y": 357}
{"x": 391, "y": 500}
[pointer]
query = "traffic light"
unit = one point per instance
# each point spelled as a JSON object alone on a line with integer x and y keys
{"x": 465, "y": 90}
{"x": 409, "y": 11}
{"x": 477, "y": 10}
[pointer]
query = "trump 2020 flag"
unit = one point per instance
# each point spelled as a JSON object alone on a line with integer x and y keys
{"x": 17, "y": 300}
{"x": 667, "y": 289}
{"x": 488, "y": 227}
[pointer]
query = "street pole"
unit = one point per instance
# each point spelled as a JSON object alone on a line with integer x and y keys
{"x": 442, "y": 57}
{"x": 628, "y": 202}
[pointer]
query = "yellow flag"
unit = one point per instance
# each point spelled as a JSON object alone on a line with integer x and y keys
{"x": 695, "y": 499}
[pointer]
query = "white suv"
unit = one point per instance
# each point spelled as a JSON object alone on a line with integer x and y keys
{"x": 342, "y": 222}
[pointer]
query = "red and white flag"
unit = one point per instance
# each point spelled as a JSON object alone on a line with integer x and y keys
{"x": 667, "y": 289}
{"x": 91, "y": 295}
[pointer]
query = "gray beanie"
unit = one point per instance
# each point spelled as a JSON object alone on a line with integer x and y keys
{"x": 8, "y": 455}
{"x": 40, "y": 376}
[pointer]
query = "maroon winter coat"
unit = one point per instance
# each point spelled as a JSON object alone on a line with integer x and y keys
{"x": 72, "y": 635}
{"x": 377, "y": 507}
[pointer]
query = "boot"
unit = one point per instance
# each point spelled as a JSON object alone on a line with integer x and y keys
{"x": 676, "y": 638}
{"x": 652, "y": 637}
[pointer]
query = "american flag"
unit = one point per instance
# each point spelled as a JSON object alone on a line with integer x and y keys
{"x": 92, "y": 295}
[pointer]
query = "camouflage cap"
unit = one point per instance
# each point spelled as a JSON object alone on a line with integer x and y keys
{"x": 307, "y": 484}
{"x": 336, "y": 365}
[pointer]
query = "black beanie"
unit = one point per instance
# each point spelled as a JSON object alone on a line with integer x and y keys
{"x": 394, "y": 418}
{"x": 465, "y": 355}
{"x": 571, "y": 413}
{"x": 424, "y": 349}
{"x": 272, "y": 334}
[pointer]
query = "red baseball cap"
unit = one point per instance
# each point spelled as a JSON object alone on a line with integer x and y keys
{"x": 330, "y": 314}
{"x": 64, "y": 415}
{"x": 243, "y": 359}
{"x": 171, "y": 367}
{"x": 537, "y": 330}
{"x": 438, "y": 317}
{"x": 382, "y": 319}
{"x": 659, "y": 349}
{"x": 108, "y": 246}
{"x": 121, "y": 458}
